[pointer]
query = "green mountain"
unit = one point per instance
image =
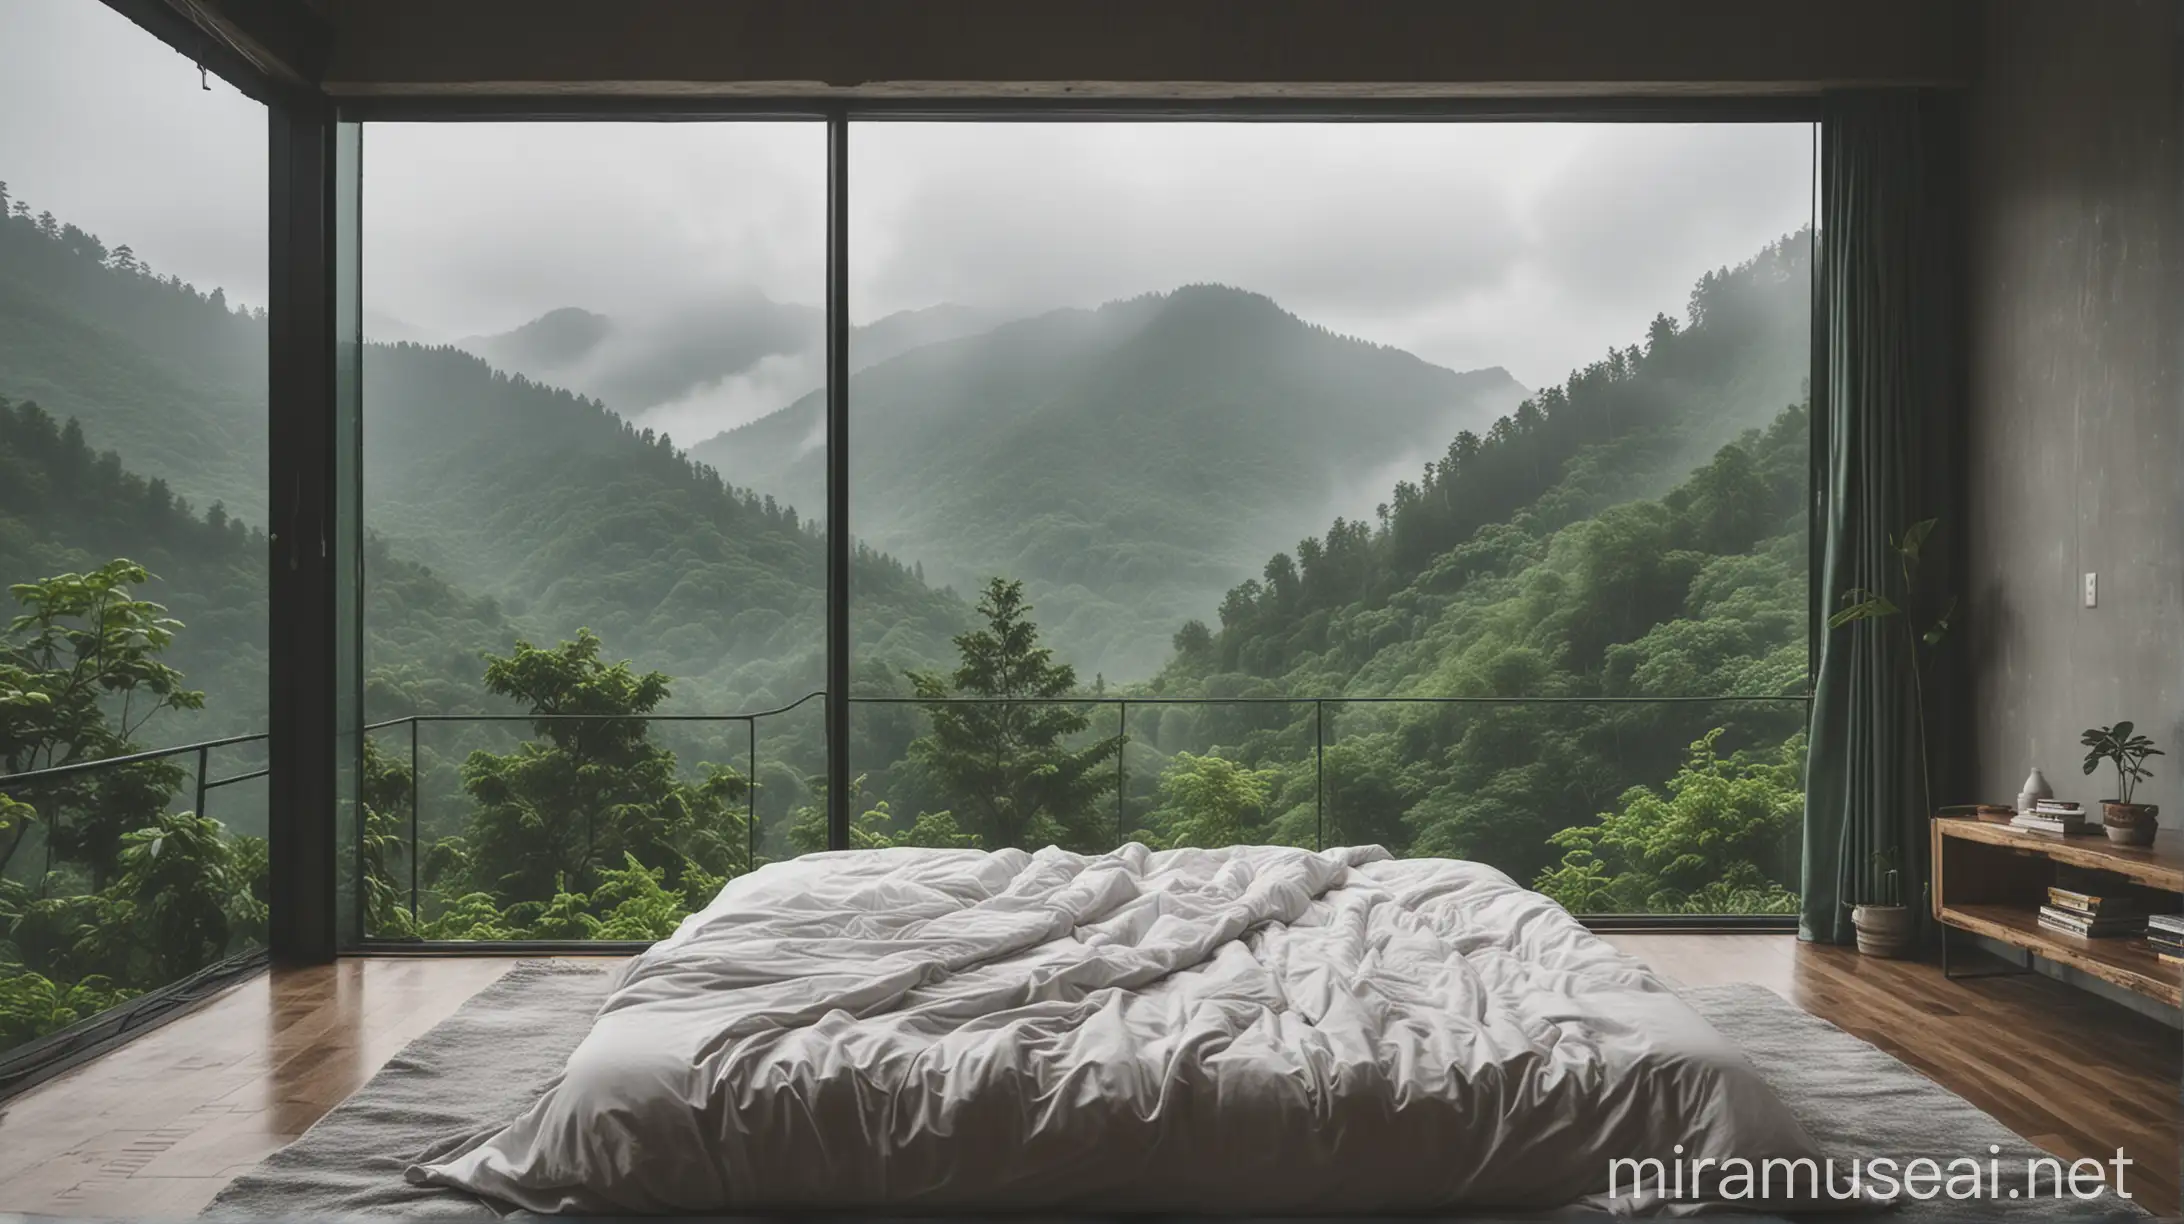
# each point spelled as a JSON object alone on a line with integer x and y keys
{"x": 572, "y": 517}
{"x": 1570, "y": 552}
{"x": 1123, "y": 461}
{"x": 170, "y": 377}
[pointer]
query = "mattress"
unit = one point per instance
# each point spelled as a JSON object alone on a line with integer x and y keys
{"x": 1253, "y": 1029}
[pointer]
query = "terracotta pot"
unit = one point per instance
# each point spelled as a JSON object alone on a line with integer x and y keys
{"x": 2129, "y": 824}
{"x": 1883, "y": 930}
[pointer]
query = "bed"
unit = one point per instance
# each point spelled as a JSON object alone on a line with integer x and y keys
{"x": 1247, "y": 1030}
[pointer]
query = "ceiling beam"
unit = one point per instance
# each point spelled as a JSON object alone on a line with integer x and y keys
{"x": 1141, "y": 48}
{"x": 265, "y": 48}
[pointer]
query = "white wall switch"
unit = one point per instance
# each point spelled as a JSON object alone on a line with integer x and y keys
{"x": 2091, "y": 591}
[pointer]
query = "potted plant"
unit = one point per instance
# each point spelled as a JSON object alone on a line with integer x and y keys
{"x": 1884, "y": 926}
{"x": 2127, "y": 823}
{"x": 1891, "y": 922}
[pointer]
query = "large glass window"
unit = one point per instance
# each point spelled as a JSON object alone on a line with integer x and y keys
{"x": 1435, "y": 485}
{"x": 589, "y": 661}
{"x": 133, "y": 506}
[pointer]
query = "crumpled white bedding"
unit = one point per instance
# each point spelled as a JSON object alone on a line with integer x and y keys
{"x": 1256, "y": 1029}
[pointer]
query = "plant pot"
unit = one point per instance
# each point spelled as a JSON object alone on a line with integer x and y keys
{"x": 2130, "y": 824}
{"x": 1883, "y": 930}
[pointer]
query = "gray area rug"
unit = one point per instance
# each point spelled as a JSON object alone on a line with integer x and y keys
{"x": 491, "y": 1058}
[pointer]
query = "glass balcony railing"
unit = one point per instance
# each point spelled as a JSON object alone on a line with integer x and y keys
{"x": 573, "y": 826}
{"x": 127, "y": 884}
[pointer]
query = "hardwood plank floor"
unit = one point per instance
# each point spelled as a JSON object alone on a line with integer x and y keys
{"x": 155, "y": 1128}
{"x": 2072, "y": 1073}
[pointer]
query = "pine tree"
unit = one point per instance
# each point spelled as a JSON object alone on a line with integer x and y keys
{"x": 1003, "y": 757}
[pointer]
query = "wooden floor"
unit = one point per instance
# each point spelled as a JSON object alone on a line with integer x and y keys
{"x": 155, "y": 1128}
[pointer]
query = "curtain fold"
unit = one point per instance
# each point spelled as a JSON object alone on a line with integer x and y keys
{"x": 1887, "y": 412}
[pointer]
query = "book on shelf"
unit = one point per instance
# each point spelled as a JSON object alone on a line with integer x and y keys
{"x": 2082, "y": 924}
{"x": 2094, "y": 904}
{"x": 2167, "y": 922}
{"x": 2159, "y": 944}
{"x": 2173, "y": 959}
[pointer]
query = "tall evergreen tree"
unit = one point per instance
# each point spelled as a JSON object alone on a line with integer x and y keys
{"x": 1017, "y": 782}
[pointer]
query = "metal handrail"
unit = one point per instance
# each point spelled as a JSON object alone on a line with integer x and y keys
{"x": 1122, "y": 704}
{"x": 205, "y": 785}
{"x": 1158, "y": 700}
{"x": 457, "y": 718}
{"x": 201, "y": 748}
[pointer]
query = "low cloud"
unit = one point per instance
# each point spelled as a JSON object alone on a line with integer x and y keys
{"x": 1530, "y": 246}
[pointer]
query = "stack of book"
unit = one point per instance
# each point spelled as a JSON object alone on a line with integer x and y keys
{"x": 2091, "y": 916}
{"x": 2050, "y": 816}
{"x": 2165, "y": 935}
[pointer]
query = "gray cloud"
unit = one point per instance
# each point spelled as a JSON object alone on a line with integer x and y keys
{"x": 110, "y": 129}
{"x": 1531, "y": 246}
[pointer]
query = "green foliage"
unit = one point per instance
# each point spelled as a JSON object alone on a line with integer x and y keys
{"x": 1209, "y": 801}
{"x": 2118, "y": 745}
{"x": 549, "y": 822}
{"x": 1019, "y": 783}
{"x": 185, "y": 895}
{"x": 1716, "y": 842}
{"x": 140, "y": 896}
{"x": 80, "y": 672}
{"x": 592, "y": 789}
{"x": 32, "y": 1005}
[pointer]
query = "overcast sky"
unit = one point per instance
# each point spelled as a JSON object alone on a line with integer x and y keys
{"x": 1532, "y": 247}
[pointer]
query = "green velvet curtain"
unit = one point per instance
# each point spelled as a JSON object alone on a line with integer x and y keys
{"x": 1888, "y": 441}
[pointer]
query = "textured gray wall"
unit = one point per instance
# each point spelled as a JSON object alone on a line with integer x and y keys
{"x": 2075, "y": 445}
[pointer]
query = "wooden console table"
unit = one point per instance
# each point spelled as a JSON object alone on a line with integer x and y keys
{"x": 1991, "y": 879}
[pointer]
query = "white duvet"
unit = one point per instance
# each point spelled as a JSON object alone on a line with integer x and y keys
{"x": 1256, "y": 1029}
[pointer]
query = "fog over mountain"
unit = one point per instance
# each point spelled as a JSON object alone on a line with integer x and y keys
{"x": 1131, "y": 463}
{"x": 708, "y": 365}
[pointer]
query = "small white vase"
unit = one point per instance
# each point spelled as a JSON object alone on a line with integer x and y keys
{"x": 2035, "y": 789}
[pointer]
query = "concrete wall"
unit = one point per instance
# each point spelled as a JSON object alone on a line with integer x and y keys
{"x": 2076, "y": 455}
{"x": 1147, "y": 48}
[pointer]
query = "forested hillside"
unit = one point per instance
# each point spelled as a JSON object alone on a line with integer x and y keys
{"x": 573, "y": 519}
{"x": 1519, "y": 566}
{"x": 172, "y": 378}
{"x": 1119, "y": 461}
{"x": 65, "y": 507}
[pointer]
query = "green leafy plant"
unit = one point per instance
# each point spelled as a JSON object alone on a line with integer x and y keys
{"x": 2127, "y": 751}
{"x": 1861, "y": 604}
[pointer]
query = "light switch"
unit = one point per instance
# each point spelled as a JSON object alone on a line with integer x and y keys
{"x": 2091, "y": 591}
